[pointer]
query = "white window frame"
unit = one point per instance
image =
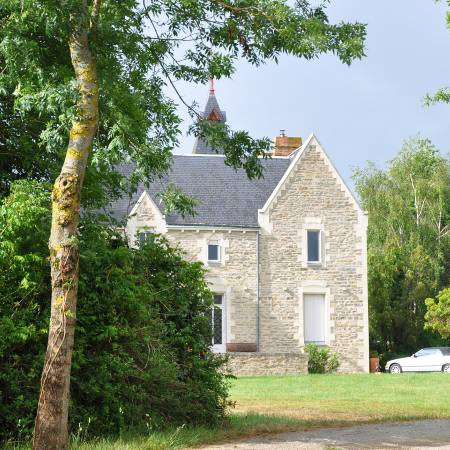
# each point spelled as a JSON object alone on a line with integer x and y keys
{"x": 314, "y": 288}
{"x": 219, "y": 253}
{"x": 320, "y": 237}
{"x": 324, "y": 319}
{"x": 221, "y": 348}
{"x": 312, "y": 224}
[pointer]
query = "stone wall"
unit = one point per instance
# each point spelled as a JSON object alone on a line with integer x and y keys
{"x": 252, "y": 364}
{"x": 314, "y": 198}
{"x": 235, "y": 275}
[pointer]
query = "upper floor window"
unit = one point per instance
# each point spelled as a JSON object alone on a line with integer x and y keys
{"x": 314, "y": 250}
{"x": 213, "y": 252}
{"x": 144, "y": 236}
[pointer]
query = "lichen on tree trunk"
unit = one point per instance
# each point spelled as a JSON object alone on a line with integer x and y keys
{"x": 51, "y": 431}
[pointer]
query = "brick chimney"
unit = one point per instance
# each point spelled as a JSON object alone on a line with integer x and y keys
{"x": 285, "y": 145}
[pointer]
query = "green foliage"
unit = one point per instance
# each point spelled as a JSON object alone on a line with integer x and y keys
{"x": 321, "y": 359}
{"x": 176, "y": 200}
{"x": 141, "y": 355}
{"x": 437, "y": 317}
{"x": 20, "y": 157}
{"x": 408, "y": 244}
{"x": 142, "y": 50}
{"x": 441, "y": 95}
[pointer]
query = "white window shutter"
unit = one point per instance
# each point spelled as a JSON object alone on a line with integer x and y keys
{"x": 314, "y": 318}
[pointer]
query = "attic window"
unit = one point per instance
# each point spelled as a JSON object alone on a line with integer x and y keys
{"x": 213, "y": 252}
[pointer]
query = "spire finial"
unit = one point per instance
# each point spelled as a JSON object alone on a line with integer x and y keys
{"x": 211, "y": 86}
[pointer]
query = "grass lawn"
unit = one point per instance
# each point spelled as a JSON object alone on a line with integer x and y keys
{"x": 288, "y": 403}
{"x": 346, "y": 399}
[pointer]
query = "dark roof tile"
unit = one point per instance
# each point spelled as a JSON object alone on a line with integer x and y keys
{"x": 227, "y": 197}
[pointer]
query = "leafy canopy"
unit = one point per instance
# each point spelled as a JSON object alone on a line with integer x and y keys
{"x": 142, "y": 355}
{"x": 408, "y": 243}
{"x": 142, "y": 50}
{"x": 441, "y": 95}
{"x": 437, "y": 317}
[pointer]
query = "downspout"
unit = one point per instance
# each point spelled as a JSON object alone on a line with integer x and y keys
{"x": 257, "y": 293}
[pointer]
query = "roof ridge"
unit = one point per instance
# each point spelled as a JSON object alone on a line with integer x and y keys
{"x": 286, "y": 158}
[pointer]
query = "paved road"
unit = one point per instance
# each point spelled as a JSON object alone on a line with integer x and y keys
{"x": 410, "y": 435}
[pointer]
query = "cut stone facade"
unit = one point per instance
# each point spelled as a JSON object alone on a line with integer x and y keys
{"x": 263, "y": 272}
{"x": 234, "y": 276}
{"x": 252, "y": 364}
{"x": 313, "y": 197}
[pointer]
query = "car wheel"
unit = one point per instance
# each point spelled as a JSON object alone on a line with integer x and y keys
{"x": 446, "y": 368}
{"x": 395, "y": 368}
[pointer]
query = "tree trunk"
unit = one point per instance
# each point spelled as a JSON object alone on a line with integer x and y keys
{"x": 51, "y": 430}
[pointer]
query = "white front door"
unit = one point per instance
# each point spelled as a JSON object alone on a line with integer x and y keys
{"x": 314, "y": 318}
{"x": 218, "y": 324}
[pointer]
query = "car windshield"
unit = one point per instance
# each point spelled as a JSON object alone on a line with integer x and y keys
{"x": 427, "y": 352}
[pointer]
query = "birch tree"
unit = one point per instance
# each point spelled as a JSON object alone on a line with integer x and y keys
{"x": 408, "y": 243}
{"x": 97, "y": 71}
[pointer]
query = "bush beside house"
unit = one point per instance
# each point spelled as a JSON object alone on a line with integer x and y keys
{"x": 141, "y": 354}
{"x": 321, "y": 359}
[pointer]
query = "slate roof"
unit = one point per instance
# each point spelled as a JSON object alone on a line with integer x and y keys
{"x": 200, "y": 146}
{"x": 227, "y": 197}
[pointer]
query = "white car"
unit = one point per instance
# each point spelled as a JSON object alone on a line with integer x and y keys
{"x": 433, "y": 359}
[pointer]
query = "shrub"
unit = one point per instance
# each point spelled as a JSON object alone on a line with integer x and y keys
{"x": 437, "y": 317}
{"x": 321, "y": 360}
{"x": 141, "y": 355}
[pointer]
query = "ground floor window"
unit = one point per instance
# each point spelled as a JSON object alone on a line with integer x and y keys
{"x": 314, "y": 318}
{"x": 217, "y": 319}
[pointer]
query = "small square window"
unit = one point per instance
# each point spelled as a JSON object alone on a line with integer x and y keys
{"x": 313, "y": 246}
{"x": 213, "y": 252}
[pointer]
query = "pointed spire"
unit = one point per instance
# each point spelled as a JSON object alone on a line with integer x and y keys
{"x": 214, "y": 113}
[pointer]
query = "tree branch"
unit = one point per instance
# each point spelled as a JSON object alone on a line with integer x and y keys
{"x": 94, "y": 18}
{"x": 163, "y": 67}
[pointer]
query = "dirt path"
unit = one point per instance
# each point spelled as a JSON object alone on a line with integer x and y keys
{"x": 410, "y": 435}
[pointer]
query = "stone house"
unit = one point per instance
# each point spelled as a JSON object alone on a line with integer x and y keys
{"x": 286, "y": 254}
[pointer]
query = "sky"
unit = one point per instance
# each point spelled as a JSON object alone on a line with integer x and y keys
{"x": 359, "y": 113}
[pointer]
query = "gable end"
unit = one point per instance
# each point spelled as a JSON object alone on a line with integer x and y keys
{"x": 313, "y": 143}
